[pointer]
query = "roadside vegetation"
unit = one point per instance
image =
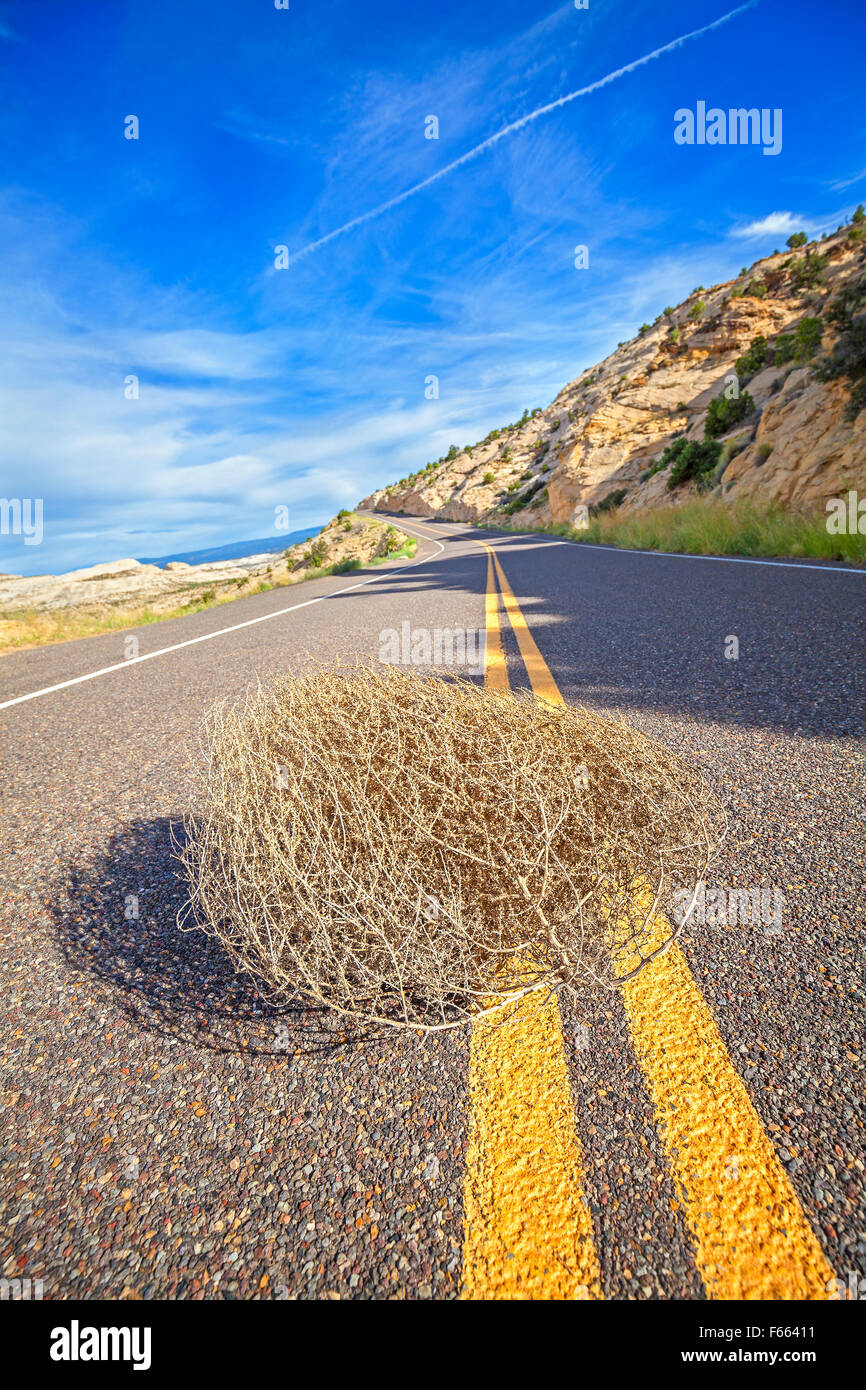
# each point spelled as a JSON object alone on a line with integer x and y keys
{"x": 708, "y": 526}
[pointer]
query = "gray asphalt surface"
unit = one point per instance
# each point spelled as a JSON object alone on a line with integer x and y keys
{"x": 168, "y": 1134}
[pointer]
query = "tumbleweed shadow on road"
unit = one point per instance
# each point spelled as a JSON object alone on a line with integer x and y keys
{"x": 115, "y": 914}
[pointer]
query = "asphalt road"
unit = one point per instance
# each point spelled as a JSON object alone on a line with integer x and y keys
{"x": 168, "y": 1134}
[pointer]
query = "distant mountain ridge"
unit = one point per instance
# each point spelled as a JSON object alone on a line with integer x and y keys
{"x": 267, "y": 545}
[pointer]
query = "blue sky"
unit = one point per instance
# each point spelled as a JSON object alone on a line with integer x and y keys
{"x": 260, "y": 127}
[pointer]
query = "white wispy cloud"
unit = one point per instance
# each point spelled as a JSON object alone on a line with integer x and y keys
{"x": 203, "y": 352}
{"x": 839, "y": 184}
{"x": 780, "y": 224}
{"x": 239, "y": 126}
{"x": 520, "y": 124}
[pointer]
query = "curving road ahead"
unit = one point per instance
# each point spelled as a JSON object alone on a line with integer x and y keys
{"x": 169, "y": 1135}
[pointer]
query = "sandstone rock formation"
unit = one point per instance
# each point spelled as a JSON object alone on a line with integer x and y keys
{"x": 606, "y": 430}
{"x": 122, "y": 582}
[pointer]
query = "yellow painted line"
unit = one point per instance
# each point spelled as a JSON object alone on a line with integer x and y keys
{"x": 752, "y": 1238}
{"x": 541, "y": 680}
{"x": 527, "y": 1229}
{"x": 495, "y": 668}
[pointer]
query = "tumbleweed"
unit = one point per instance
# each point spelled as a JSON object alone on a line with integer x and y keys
{"x": 416, "y": 851}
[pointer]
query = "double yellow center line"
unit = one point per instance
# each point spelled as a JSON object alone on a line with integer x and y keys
{"x": 528, "y": 1231}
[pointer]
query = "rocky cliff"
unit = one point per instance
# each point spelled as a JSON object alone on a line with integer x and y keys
{"x": 749, "y": 388}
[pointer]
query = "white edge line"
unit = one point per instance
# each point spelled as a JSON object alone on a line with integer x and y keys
{"x": 206, "y": 636}
{"x": 725, "y": 559}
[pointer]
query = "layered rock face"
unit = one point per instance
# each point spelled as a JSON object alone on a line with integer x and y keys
{"x": 121, "y": 582}
{"x": 604, "y": 433}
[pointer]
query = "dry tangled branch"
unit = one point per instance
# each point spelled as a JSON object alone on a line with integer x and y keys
{"x": 416, "y": 851}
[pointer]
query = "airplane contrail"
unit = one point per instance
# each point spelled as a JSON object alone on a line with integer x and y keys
{"x": 516, "y": 125}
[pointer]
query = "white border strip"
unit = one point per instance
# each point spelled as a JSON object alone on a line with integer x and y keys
{"x": 725, "y": 559}
{"x": 207, "y": 636}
